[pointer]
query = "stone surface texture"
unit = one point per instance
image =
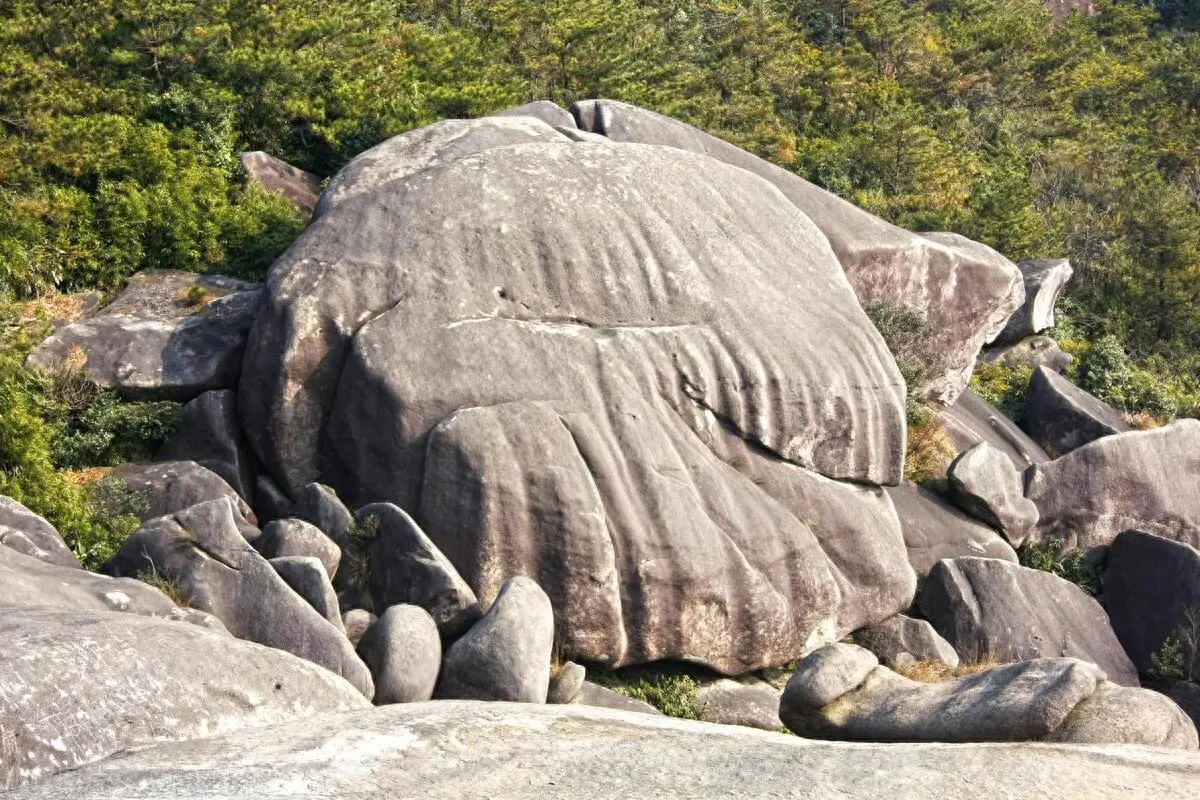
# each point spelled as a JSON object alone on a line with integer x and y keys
{"x": 301, "y": 188}
{"x": 984, "y": 483}
{"x": 1044, "y": 281}
{"x": 1062, "y": 417}
{"x": 26, "y": 532}
{"x": 934, "y": 529}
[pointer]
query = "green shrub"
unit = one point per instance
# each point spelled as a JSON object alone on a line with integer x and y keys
{"x": 108, "y": 432}
{"x": 910, "y": 340}
{"x": 1004, "y": 387}
{"x": 1074, "y": 566}
{"x": 673, "y": 695}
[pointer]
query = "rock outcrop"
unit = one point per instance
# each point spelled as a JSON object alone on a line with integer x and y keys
{"x": 646, "y": 370}
{"x": 208, "y": 434}
{"x": 302, "y": 189}
{"x": 1063, "y": 417}
{"x": 168, "y": 486}
{"x": 1033, "y": 352}
{"x": 296, "y": 537}
{"x": 751, "y": 705}
{"x": 404, "y": 652}
{"x": 201, "y": 553}
{"x": 933, "y": 530}
{"x": 1152, "y": 592}
{"x": 1142, "y": 480}
{"x": 984, "y": 484}
{"x": 430, "y": 751}
{"x": 26, "y": 532}
{"x": 903, "y": 641}
{"x": 1044, "y": 282}
{"x": 972, "y": 420}
{"x": 80, "y": 685}
{"x": 991, "y": 610}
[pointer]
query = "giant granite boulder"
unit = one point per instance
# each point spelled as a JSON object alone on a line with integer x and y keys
{"x": 430, "y": 751}
{"x": 965, "y": 290}
{"x": 993, "y": 610}
{"x": 80, "y": 685}
{"x": 153, "y": 343}
{"x": 611, "y": 333}
{"x": 1062, "y": 416}
{"x": 1044, "y": 282}
{"x": 201, "y": 553}
{"x": 1141, "y": 480}
{"x": 971, "y": 420}
{"x": 934, "y": 529}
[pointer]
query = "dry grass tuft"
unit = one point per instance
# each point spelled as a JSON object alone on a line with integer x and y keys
{"x": 929, "y": 453}
{"x": 937, "y": 672}
{"x": 62, "y": 307}
{"x": 86, "y": 477}
{"x": 1142, "y": 420}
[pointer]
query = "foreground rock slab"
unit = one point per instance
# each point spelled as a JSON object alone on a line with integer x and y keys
{"x": 78, "y": 686}
{"x": 506, "y": 751}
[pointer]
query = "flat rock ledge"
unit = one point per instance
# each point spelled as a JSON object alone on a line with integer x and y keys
{"x": 508, "y": 750}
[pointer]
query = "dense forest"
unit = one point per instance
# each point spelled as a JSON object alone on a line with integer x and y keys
{"x": 121, "y": 122}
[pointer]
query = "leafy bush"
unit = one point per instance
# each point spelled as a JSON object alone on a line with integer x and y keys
{"x": 108, "y": 432}
{"x": 673, "y": 695}
{"x": 1004, "y": 387}
{"x": 910, "y": 340}
{"x": 1074, "y": 566}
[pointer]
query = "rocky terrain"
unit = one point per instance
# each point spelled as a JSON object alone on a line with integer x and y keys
{"x": 564, "y": 396}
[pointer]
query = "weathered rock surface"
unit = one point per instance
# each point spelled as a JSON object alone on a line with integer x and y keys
{"x": 26, "y": 532}
{"x": 307, "y": 577}
{"x": 79, "y": 685}
{"x": 171, "y": 294}
{"x": 1152, "y": 592}
{"x": 506, "y": 654}
{"x": 320, "y": 505}
{"x": 566, "y": 683}
{"x": 406, "y": 567}
{"x": 404, "y": 652}
{"x": 297, "y": 537}
{"x": 1063, "y": 417}
{"x": 357, "y": 622}
{"x": 984, "y": 483}
{"x": 621, "y": 360}
{"x": 727, "y": 702}
{"x": 902, "y": 641}
{"x": 593, "y": 694}
{"x": 1044, "y": 282}
{"x": 301, "y": 188}
{"x": 972, "y": 420}
{"x": 933, "y": 530}
{"x": 505, "y": 751}
{"x": 1127, "y": 715}
{"x": 169, "y": 486}
{"x": 142, "y": 348}
{"x": 993, "y": 610}
{"x": 208, "y": 434}
{"x": 965, "y": 290}
{"x": 200, "y": 551}
{"x": 548, "y": 112}
{"x": 1019, "y": 702}
{"x": 825, "y": 675}
{"x": 1142, "y": 480}
{"x": 1033, "y": 352}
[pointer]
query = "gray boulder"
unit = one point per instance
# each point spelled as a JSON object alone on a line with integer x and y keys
{"x": 965, "y": 290}
{"x": 144, "y": 356}
{"x": 1032, "y": 352}
{"x": 933, "y": 530}
{"x": 406, "y": 567}
{"x": 201, "y": 553}
{"x": 295, "y": 537}
{"x": 320, "y": 505}
{"x": 984, "y": 484}
{"x": 1142, "y": 480}
{"x": 506, "y": 654}
{"x": 1019, "y": 702}
{"x": 357, "y": 622}
{"x": 536, "y": 362}
{"x": 430, "y": 751}
{"x": 208, "y": 434}
{"x": 597, "y": 696}
{"x": 991, "y": 610}
{"x": 566, "y": 683}
{"x": 1128, "y": 716}
{"x": 26, "y": 532}
{"x": 825, "y": 675}
{"x": 81, "y": 685}
{"x": 270, "y": 502}
{"x": 902, "y": 641}
{"x": 275, "y": 175}
{"x": 1152, "y": 592}
{"x": 404, "y": 652}
{"x": 971, "y": 420}
{"x": 171, "y": 294}
{"x": 727, "y": 702}
{"x": 169, "y": 486}
{"x": 1044, "y": 282}
{"x": 1186, "y": 695}
{"x": 308, "y": 578}
{"x": 1063, "y": 417}
{"x": 545, "y": 110}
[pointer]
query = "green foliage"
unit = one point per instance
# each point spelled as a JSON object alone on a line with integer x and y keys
{"x": 108, "y": 432}
{"x": 673, "y": 695}
{"x": 116, "y": 512}
{"x": 910, "y": 340}
{"x": 1166, "y": 663}
{"x": 1003, "y": 387}
{"x": 1073, "y": 566}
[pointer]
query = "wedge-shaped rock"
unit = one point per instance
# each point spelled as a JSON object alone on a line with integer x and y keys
{"x": 641, "y": 302}
{"x": 201, "y": 553}
{"x": 1142, "y": 480}
{"x": 1044, "y": 281}
{"x": 991, "y": 610}
{"x": 430, "y": 751}
{"x": 506, "y": 654}
{"x": 1063, "y": 417}
{"x": 208, "y": 434}
{"x": 972, "y": 420}
{"x": 1020, "y": 702}
{"x": 26, "y": 532}
{"x": 1152, "y": 592}
{"x": 984, "y": 484}
{"x": 966, "y": 291}
{"x": 80, "y": 685}
{"x": 308, "y": 578}
{"x": 934, "y": 529}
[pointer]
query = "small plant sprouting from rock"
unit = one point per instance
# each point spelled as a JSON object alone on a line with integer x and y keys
{"x": 1073, "y": 566}
{"x": 165, "y": 585}
{"x": 1178, "y": 657}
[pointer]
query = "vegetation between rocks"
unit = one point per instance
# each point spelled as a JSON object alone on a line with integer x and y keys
{"x": 672, "y": 694}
